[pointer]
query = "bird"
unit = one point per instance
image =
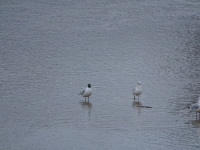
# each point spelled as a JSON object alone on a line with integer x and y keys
{"x": 137, "y": 91}
{"x": 196, "y": 108}
{"x": 87, "y": 92}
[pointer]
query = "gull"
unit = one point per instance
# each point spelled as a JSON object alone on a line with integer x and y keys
{"x": 87, "y": 92}
{"x": 196, "y": 108}
{"x": 137, "y": 90}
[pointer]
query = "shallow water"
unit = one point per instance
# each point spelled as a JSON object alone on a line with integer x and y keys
{"x": 51, "y": 50}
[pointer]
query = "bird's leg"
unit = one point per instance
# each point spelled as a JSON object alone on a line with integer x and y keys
{"x": 88, "y": 99}
{"x": 138, "y": 98}
{"x": 199, "y": 115}
{"x": 134, "y": 98}
{"x": 85, "y": 99}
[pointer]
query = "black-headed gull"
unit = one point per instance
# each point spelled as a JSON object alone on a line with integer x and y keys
{"x": 137, "y": 90}
{"x": 87, "y": 92}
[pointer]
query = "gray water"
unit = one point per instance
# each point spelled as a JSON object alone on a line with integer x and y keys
{"x": 50, "y": 51}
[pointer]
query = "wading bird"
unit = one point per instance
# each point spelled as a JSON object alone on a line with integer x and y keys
{"x": 137, "y": 91}
{"x": 87, "y": 92}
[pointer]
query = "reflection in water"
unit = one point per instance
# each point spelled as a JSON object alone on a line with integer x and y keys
{"x": 111, "y": 50}
{"x": 88, "y": 106}
{"x": 137, "y": 104}
{"x": 196, "y": 123}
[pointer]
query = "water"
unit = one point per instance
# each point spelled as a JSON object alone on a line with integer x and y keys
{"x": 51, "y": 50}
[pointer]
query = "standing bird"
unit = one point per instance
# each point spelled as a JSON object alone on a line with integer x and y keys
{"x": 87, "y": 92}
{"x": 137, "y": 90}
{"x": 196, "y": 108}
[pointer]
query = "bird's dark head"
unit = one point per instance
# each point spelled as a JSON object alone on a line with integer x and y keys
{"x": 89, "y": 85}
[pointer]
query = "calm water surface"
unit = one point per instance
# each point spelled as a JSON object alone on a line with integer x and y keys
{"x": 51, "y": 50}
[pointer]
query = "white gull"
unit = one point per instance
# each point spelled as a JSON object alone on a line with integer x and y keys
{"x": 87, "y": 92}
{"x": 137, "y": 91}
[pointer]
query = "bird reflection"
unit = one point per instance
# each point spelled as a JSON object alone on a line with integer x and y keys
{"x": 137, "y": 104}
{"x": 88, "y": 106}
{"x": 196, "y": 123}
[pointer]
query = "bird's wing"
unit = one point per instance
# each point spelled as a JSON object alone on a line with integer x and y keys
{"x": 194, "y": 107}
{"x": 81, "y": 93}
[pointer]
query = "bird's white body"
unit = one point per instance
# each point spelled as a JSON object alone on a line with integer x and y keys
{"x": 137, "y": 91}
{"x": 88, "y": 92}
